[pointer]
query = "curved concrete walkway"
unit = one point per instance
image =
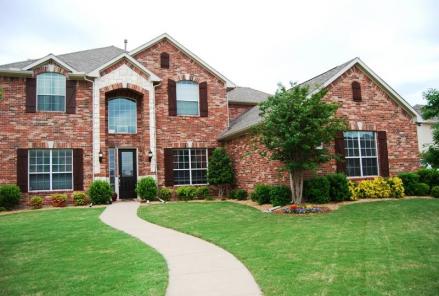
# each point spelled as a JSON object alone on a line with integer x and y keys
{"x": 196, "y": 267}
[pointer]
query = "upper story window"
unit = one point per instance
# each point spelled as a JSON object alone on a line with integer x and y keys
{"x": 188, "y": 98}
{"x": 361, "y": 153}
{"x": 51, "y": 92}
{"x": 356, "y": 91}
{"x": 164, "y": 60}
{"x": 122, "y": 116}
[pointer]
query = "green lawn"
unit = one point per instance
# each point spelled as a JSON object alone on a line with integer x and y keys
{"x": 71, "y": 252}
{"x": 378, "y": 248}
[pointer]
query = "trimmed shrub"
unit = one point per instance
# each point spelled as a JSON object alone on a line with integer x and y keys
{"x": 422, "y": 189}
{"x": 202, "y": 192}
{"x": 409, "y": 180}
{"x": 428, "y": 176}
{"x": 9, "y": 196}
{"x": 280, "y": 195}
{"x": 165, "y": 193}
{"x": 2, "y": 209}
{"x": 36, "y": 202}
{"x": 352, "y": 190}
{"x": 396, "y": 187}
{"x": 58, "y": 200}
{"x": 338, "y": 187}
{"x": 186, "y": 192}
{"x": 239, "y": 194}
{"x": 261, "y": 194}
{"x": 376, "y": 188}
{"x": 80, "y": 199}
{"x": 316, "y": 190}
{"x": 100, "y": 192}
{"x": 435, "y": 191}
{"x": 146, "y": 188}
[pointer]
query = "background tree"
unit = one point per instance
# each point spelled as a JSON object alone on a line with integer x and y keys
{"x": 220, "y": 170}
{"x": 294, "y": 126}
{"x": 431, "y": 155}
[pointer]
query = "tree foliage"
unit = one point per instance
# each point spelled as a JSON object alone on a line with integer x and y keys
{"x": 431, "y": 155}
{"x": 220, "y": 170}
{"x": 295, "y": 124}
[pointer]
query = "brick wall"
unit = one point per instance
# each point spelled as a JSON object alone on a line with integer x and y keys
{"x": 237, "y": 109}
{"x": 377, "y": 112}
{"x": 175, "y": 131}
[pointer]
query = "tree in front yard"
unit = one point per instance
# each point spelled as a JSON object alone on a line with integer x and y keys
{"x": 220, "y": 170}
{"x": 295, "y": 124}
{"x": 431, "y": 156}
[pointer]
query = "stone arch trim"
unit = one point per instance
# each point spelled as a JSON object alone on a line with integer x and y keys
{"x": 50, "y": 66}
{"x": 191, "y": 77}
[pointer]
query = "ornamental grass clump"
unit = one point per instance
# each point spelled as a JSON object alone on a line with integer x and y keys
{"x": 36, "y": 202}
{"x": 58, "y": 200}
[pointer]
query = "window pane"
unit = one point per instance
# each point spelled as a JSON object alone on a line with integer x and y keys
{"x": 188, "y": 96}
{"x": 51, "y": 92}
{"x": 367, "y": 142}
{"x": 182, "y": 177}
{"x": 62, "y": 181}
{"x": 198, "y": 159}
{"x": 122, "y": 116}
{"x": 353, "y": 167}
{"x": 199, "y": 176}
{"x": 39, "y": 182}
{"x": 39, "y": 161}
{"x": 112, "y": 166}
{"x": 351, "y": 144}
{"x": 62, "y": 160}
{"x": 370, "y": 166}
{"x": 127, "y": 163}
{"x": 181, "y": 159}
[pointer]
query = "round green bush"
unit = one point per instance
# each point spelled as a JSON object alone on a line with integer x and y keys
{"x": 146, "y": 188}
{"x": 261, "y": 194}
{"x": 435, "y": 191}
{"x": 428, "y": 176}
{"x": 422, "y": 189}
{"x": 280, "y": 195}
{"x": 9, "y": 196}
{"x": 80, "y": 199}
{"x": 202, "y": 192}
{"x": 338, "y": 187}
{"x": 239, "y": 194}
{"x": 316, "y": 190}
{"x": 100, "y": 192}
{"x": 36, "y": 202}
{"x": 164, "y": 194}
{"x": 186, "y": 192}
{"x": 409, "y": 180}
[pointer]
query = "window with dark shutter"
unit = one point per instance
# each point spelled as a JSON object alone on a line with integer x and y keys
{"x": 31, "y": 95}
{"x": 172, "y": 98}
{"x": 169, "y": 167}
{"x": 203, "y": 99}
{"x": 340, "y": 151}
{"x": 22, "y": 169}
{"x": 356, "y": 91}
{"x": 78, "y": 169}
{"x": 383, "y": 154}
{"x": 71, "y": 96}
{"x": 164, "y": 60}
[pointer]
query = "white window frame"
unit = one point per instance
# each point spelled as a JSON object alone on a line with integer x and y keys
{"x": 195, "y": 169}
{"x": 360, "y": 156}
{"x": 176, "y": 99}
{"x": 114, "y": 132}
{"x": 50, "y": 172}
{"x": 37, "y": 93}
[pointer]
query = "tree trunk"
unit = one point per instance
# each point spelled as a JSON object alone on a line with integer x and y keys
{"x": 296, "y": 184}
{"x": 220, "y": 191}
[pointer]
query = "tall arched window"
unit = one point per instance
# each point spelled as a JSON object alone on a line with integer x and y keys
{"x": 122, "y": 116}
{"x": 51, "y": 92}
{"x": 356, "y": 91}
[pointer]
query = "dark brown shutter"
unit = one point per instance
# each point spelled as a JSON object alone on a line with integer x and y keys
{"x": 340, "y": 151}
{"x": 164, "y": 60}
{"x": 203, "y": 99}
{"x": 31, "y": 95}
{"x": 22, "y": 164}
{"x": 71, "y": 96}
{"x": 383, "y": 154}
{"x": 356, "y": 91}
{"x": 169, "y": 167}
{"x": 172, "y": 97}
{"x": 78, "y": 169}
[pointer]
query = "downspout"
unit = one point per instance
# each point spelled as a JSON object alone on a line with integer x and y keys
{"x": 155, "y": 141}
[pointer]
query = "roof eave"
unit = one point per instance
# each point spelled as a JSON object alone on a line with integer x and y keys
{"x": 15, "y": 73}
{"x": 47, "y": 58}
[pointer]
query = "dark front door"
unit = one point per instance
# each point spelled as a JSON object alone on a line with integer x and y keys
{"x": 127, "y": 173}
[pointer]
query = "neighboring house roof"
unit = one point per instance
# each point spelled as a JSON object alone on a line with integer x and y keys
{"x": 81, "y": 61}
{"x": 250, "y": 118}
{"x": 418, "y": 108}
{"x": 229, "y": 83}
{"x": 246, "y": 96}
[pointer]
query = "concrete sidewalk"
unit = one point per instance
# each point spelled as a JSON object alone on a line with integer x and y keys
{"x": 196, "y": 267}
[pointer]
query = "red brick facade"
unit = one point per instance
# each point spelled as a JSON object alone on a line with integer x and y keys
{"x": 237, "y": 109}
{"x": 376, "y": 112}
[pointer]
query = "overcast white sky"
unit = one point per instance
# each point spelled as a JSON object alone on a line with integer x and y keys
{"x": 253, "y": 43}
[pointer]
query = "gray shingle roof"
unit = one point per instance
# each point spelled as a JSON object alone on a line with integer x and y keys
{"x": 81, "y": 61}
{"x": 246, "y": 95}
{"x": 251, "y": 117}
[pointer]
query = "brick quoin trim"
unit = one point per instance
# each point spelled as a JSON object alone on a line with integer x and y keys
{"x": 375, "y": 112}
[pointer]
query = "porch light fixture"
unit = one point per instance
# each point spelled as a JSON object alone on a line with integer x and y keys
{"x": 149, "y": 155}
{"x": 101, "y": 156}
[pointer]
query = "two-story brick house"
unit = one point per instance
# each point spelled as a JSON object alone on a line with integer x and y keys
{"x": 158, "y": 111}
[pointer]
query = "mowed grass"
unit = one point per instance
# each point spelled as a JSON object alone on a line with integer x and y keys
{"x": 377, "y": 248}
{"x": 71, "y": 252}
